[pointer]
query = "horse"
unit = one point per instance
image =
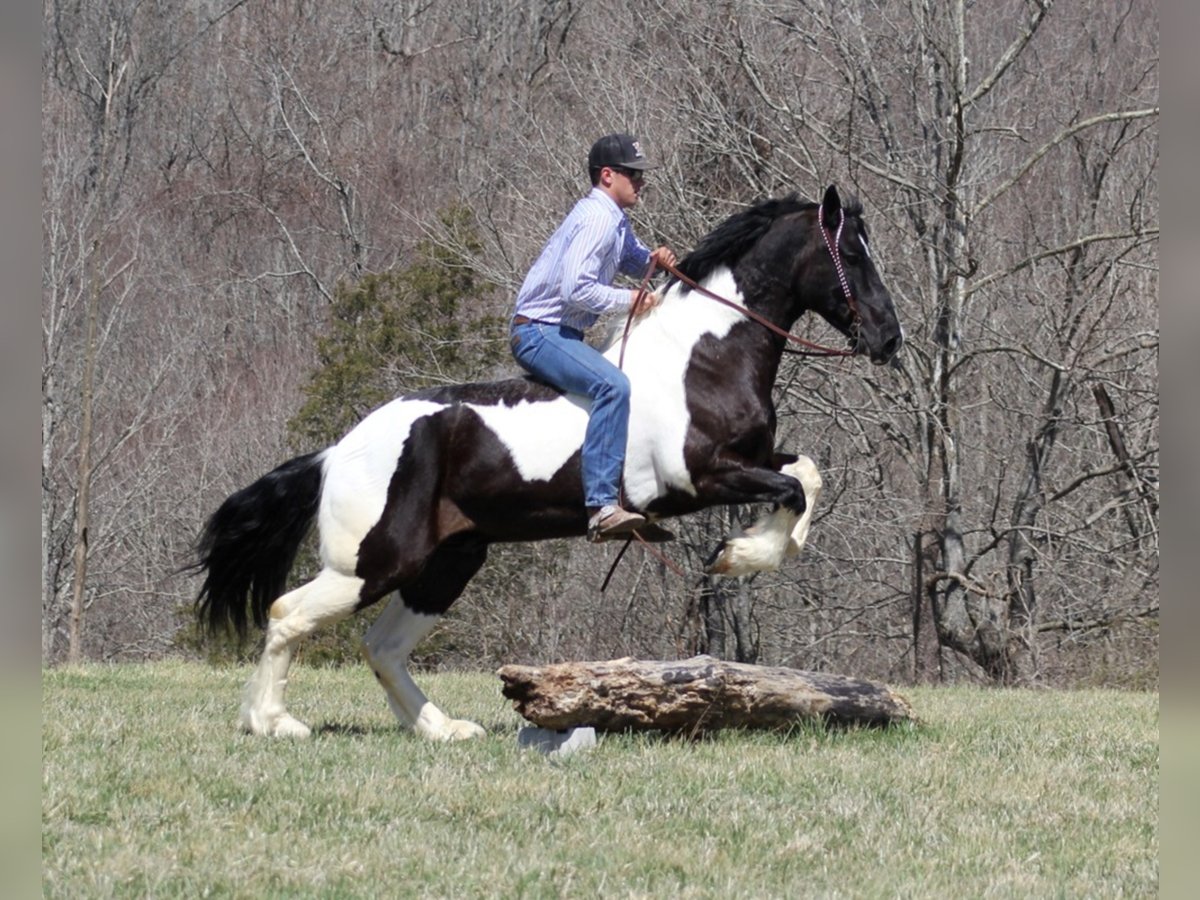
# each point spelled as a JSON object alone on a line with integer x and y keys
{"x": 408, "y": 502}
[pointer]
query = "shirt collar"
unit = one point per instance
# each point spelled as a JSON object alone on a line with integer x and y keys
{"x": 609, "y": 203}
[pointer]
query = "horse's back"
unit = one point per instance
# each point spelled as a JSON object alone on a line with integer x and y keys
{"x": 466, "y": 437}
{"x": 506, "y": 391}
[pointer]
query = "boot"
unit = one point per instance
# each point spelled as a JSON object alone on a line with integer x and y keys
{"x": 612, "y": 521}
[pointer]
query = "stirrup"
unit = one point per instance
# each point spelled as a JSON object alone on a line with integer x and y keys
{"x": 653, "y": 533}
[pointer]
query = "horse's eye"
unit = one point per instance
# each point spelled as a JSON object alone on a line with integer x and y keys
{"x": 855, "y": 248}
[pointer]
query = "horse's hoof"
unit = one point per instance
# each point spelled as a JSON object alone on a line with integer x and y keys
{"x": 746, "y": 555}
{"x": 287, "y": 727}
{"x": 720, "y": 567}
{"x": 463, "y": 730}
{"x": 455, "y": 730}
{"x": 249, "y": 723}
{"x": 284, "y": 726}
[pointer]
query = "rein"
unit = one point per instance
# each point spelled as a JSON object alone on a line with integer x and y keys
{"x": 813, "y": 348}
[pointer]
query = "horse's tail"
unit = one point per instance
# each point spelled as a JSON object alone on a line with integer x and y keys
{"x": 250, "y": 542}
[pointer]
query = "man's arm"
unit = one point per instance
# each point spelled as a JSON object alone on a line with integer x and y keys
{"x": 581, "y": 285}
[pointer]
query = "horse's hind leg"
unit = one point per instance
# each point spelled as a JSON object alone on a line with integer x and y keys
{"x": 387, "y": 645}
{"x": 405, "y": 622}
{"x": 327, "y": 598}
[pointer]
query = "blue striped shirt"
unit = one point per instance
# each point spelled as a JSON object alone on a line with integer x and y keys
{"x": 571, "y": 280}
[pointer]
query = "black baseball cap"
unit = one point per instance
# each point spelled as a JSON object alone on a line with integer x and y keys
{"x": 618, "y": 151}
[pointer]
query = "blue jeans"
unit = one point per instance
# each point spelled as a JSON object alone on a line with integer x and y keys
{"x": 558, "y": 354}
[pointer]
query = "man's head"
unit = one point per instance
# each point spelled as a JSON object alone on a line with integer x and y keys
{"x": 616, "y": 165}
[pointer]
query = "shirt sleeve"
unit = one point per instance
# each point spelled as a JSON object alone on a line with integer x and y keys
{"x": 586, "y": 249}
{"x": 635, "y": 256}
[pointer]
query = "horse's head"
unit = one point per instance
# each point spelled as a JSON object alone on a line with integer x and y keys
{"x": 789, "y": 256}
{"x": 837, "y": 280}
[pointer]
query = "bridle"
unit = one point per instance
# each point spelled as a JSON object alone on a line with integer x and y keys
{"x": 832, "y": 238}
{"x": 834, "y": 246}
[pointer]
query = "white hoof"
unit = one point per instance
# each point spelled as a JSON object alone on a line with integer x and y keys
{"x": 287, "y": 727}
{"x": 274, "y": 726}
{"x": 464, "y": 730}
{"x": 451, "y": 730}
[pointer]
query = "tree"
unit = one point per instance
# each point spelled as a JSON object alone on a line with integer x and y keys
{"x": 397, "y": 332}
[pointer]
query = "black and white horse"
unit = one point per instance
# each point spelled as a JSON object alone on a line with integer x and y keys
{"x": 409, "y": 500}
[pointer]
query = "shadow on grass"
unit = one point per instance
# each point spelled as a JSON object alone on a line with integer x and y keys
{"x": 828, "y": 729}
{"x": 350, "y": 729}
{"x": 359, "y": 730}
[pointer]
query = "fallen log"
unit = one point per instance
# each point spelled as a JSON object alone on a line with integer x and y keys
{"x": 695, "y": 695}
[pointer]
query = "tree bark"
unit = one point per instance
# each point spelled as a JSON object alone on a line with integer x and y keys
{"x": 693, "y": 695}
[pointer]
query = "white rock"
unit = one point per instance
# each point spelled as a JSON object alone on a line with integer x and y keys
{"x": 556, "y": 743}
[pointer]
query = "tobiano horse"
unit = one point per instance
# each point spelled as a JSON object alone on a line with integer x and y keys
{"x": 408, "y": 502}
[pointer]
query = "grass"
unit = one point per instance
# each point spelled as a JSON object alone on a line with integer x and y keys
{"x": 148, "y": 790}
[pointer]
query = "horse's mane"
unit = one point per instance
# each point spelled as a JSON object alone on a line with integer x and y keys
{"x": 729, "y": 241}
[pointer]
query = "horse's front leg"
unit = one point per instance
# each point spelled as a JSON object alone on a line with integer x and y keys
{"x": 780, "y": 534}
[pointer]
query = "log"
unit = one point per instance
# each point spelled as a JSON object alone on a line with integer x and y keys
{"x": 694, "y": 695}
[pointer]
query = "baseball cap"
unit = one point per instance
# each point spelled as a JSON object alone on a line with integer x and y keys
{"x": 618, "y": 150}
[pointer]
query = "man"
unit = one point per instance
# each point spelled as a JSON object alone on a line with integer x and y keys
{"x": 566, "y": 290}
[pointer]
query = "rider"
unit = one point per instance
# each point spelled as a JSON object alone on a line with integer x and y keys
{"x": 566, "y": 290}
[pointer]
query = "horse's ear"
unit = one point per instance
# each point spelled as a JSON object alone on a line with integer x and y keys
{"x": 831, "y": 204}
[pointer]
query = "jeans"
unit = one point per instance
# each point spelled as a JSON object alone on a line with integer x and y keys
{"x": 558, "y": 354}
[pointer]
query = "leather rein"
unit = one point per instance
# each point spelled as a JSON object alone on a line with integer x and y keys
{"x": 832, "y": 238}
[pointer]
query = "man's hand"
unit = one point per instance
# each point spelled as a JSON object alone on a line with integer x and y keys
{"x": 662, "y": 256}
{"x": 644, "y": 302}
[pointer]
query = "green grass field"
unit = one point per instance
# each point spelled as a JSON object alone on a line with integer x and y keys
{"x": 147, "y": 790}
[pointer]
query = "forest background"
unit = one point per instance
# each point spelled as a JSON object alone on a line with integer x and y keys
{"x": 261, "y": 219}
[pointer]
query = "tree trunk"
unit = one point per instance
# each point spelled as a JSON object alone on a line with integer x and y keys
{"x": 693, "y": 695}
{"x": 95, "y": 277}
{"x": 83, "y": 495}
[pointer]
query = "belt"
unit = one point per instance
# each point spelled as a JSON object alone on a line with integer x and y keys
{"x": 525, "y": 320}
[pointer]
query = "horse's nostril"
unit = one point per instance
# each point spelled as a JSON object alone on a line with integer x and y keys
{"x": 890, "y": 348}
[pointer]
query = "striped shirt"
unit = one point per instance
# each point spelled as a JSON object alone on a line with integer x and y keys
{"x": 571, "y": 280}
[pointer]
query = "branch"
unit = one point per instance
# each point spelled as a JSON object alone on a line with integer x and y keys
{"x": 1009, "y": 56}
{"x": 387, "y": 47}
{"x": 962, "y": 581}
{"x": 1076, "y": 244}
{"x": 1106, "y": 620}
{"x": 800, "y": 120}
{"x": 1100, "y": 472}
{"x": 1054, "y": 142}
{"x": 287, "y": 234}
{"x": 344, "y": 192}
{"x": 299, "y": 141}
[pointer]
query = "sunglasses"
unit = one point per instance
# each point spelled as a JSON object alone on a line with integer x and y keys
{"x": 635, "y": 175}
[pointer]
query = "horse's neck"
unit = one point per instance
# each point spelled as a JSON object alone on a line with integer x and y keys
{"x": 665, "y": 339}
